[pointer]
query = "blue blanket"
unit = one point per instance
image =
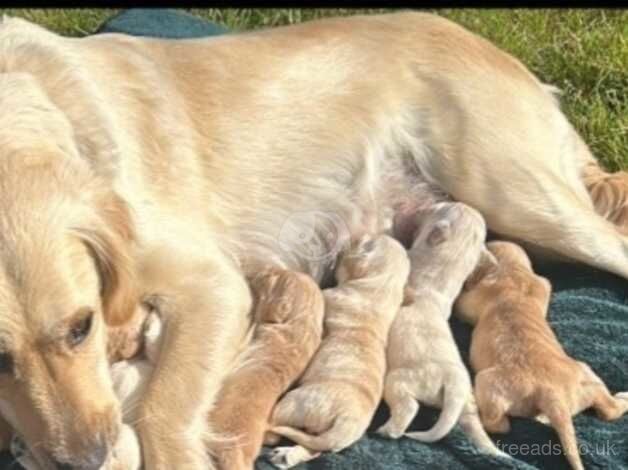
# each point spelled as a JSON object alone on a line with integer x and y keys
{"x": 589, "y": 312}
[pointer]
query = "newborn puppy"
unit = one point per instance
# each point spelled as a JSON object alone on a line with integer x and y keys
{"x": 129, "y": 376}
{"x": 522, "y": 370}
{"x": 340, "y": 390}
{"x": 424, "y": 364}
{"x": 609, "y": 193}
{"x": 288, "y": 316}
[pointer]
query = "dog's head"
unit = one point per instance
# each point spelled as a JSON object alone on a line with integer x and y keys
{"x": 504, "y": 273}
{"x": 65, "y": 274}
{"x": 371, "y": 256}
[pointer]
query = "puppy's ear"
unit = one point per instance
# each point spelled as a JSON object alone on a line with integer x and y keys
{"x": 111, "y": 241}
{"x": 543, "y": 293}
{"x": 439, "y": 233}
{"x": 486, "y": 270}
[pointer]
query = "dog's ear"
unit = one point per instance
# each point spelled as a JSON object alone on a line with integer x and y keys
{"x": 111, "y": 241}
{"x": 439, "y": 233}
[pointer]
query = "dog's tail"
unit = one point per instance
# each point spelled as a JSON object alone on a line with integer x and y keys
{"x": 455, "y": 396}
{"x": 560, "y": 419}
{"x": 341, "y": 434}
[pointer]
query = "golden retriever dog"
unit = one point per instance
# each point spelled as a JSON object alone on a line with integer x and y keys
{"x": 162, "y": 168}
{"x": 522, "y": 370}
{"x": 337, "y": 396}
{"x": 423, "y": 362}
{"x": 137, "y": 350}
{"x": 288, "y": 325}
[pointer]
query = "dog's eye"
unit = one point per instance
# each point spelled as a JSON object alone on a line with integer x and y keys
{"x": 6, "y": 363}
{"x": 80, "y": 330}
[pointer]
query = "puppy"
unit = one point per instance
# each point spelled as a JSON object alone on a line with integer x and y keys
{"x": 522, "y": 370}
{"x": 609, "y": 193}
{"x": 288, "y": 316}
{"x": 424, "y": 364}
{"x": 341, "y": 388}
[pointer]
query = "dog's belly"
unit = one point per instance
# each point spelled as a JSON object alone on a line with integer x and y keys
{"x": 309, "y": 236}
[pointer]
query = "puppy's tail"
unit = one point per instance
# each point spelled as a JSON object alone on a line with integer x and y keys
{"x": 342, "y": 433}
{"x": 560, "y": 419}
{"x": 455, "y": 396}
{"x": 472, "y": 426}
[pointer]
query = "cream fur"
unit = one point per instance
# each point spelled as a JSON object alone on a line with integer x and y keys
{"x": 339, "y": 392}
{"x": 423, "y": 362}
{"x": 521, "y": 368}
{"x": 181, "y": 164}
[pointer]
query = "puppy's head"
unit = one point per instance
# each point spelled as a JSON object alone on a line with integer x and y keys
{"x": 65, "y": 273}
{"x": 448, "y": 234}
{"x": 371, "y": 256}
{"x": 503, "y": 273}
{"x": 281, "y": 296}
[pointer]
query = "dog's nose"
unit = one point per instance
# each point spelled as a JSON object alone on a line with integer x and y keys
{"x": 94, "y": 461}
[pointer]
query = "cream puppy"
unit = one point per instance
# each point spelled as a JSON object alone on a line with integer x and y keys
{"x": 288, "y": 316}
{"x": 522, "y": 370}
{"x": 340, "y": 390}
{"x": 424, "y": 364}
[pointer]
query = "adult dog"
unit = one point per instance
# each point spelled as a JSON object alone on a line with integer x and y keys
{"x": 134, "y": 166}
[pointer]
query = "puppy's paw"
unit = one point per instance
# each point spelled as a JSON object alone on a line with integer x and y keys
{"x": 288, "y": 457}
{"x": 543, "y": 419}
{"x": 622, "y": 396}
{"x": 389, "y": 432}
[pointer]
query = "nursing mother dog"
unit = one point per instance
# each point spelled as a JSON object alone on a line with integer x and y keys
{"x": 135, "y": 167}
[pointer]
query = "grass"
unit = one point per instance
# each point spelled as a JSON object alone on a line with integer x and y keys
{"x": 583, "y": 52}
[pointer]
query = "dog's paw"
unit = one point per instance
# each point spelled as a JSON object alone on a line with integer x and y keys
{"x": 288, "y": 457}
{"x": 388, "y": 431}
{"x": 543, "y": 419}
{"x": 281, "y": 457}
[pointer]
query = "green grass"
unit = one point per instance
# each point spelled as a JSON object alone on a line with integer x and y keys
{"x": 583, "y": 52}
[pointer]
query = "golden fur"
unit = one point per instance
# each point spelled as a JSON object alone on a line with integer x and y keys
{"x": 422, "y": 358}
{"x": 288, "y": 325}
{"x": 164, "y": 168}
{"x": 522, "y": 370}
{"x": 339, "y": 392}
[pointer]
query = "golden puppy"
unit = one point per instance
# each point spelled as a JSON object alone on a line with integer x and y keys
{"x": 609, "y": 193}
{"x": 163, "y": 167}
{"x": 337, "y": 396}
{"x": 288, "y": 324}
{"x": 522, "y": 370}
{"x": 423, "y": 362}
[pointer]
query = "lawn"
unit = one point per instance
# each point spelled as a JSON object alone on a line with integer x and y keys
{"x": 583, "y": 52}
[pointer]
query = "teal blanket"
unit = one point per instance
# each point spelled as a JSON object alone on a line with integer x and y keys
{"x": 589, "y": 312}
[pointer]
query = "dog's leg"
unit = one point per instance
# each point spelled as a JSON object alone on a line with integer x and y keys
{"x": 287, "y": 457}
{"x": 531, "y": 189}
{"x": 204, "y": 302}
{"x": 403, "y": 406}
{"x": 560, "y": 419}
{"x": 491, "y": 403}
{"x": 594, "y": 393}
